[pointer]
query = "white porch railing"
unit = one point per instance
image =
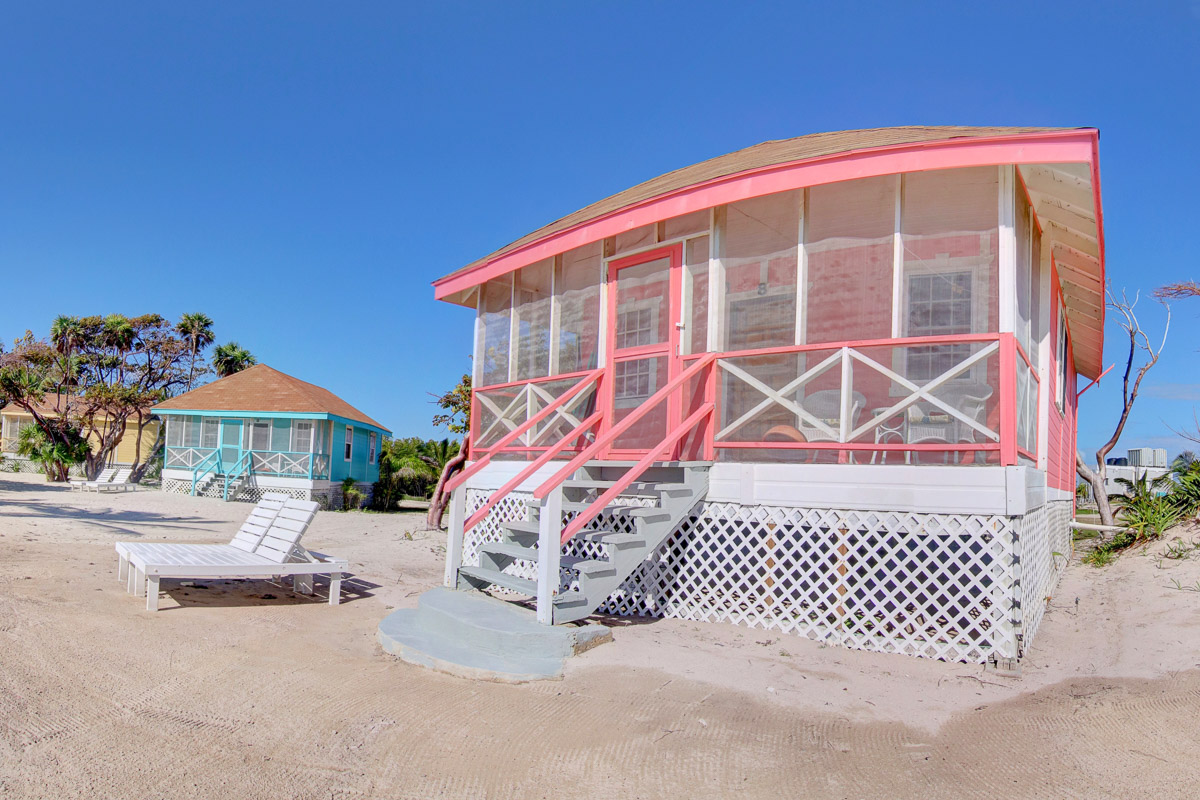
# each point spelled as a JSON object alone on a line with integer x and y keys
{"x": 934, "y": 393}
{"x": 500, "y": 410}
{"x": 314, "y": 466}
{"x": 186, "y": 457}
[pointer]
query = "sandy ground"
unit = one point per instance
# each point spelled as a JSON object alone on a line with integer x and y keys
{"x": 247, "y": 690}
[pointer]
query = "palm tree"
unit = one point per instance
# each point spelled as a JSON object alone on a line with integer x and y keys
{"x": 230, "y": 358}
{"x": 1184, "y": 462}
{"x": 196, "y": 329}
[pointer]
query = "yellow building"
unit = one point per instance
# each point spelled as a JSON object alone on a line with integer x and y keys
{"x": 14, "y": 418}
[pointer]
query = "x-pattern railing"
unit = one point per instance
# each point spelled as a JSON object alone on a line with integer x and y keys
{"x": 529, "y": 399}
{"x": 280, "y": 463}
{"x": 186, "y": 457}
{"x": 845, "y": 356}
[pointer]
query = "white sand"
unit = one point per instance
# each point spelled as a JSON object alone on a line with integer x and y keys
{"x": 249, "y": 690}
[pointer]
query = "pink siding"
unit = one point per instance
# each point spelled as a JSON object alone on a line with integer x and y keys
{"x": 1061, "y": 444}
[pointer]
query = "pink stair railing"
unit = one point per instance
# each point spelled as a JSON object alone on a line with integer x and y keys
{"x": 601, "y": 444}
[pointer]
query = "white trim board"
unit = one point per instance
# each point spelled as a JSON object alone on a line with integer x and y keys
{"x": 948, "y": 489}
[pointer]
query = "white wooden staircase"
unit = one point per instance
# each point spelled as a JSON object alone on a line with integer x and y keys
{"x": 672, "y": 489}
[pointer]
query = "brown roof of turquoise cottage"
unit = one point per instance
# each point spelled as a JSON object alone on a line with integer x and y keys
{"x": 261, "y": 388}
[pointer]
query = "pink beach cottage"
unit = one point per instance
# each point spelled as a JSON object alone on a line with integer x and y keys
{"x": 824, "y": 386}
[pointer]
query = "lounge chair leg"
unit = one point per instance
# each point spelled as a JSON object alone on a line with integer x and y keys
{"x": 335, "y": 588}
{"x": 152, "y": 593}
{"x": 130, "y": 571}
{"x": 303, "y": 583}
{"x": 139, "y": 582}
{"x": 122, "y": 569}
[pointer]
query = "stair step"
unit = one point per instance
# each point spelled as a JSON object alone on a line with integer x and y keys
{"x": 570, "y": 599}
{"x": 522, "y": 526}
{"x": 588, "y": 566}
{"x": 512, "y": 550}
{"x": 635, "y": 489}
{"x": 498, "y": 578}
{"x": 631, "y": 511}
{"x": 615, "y": 538}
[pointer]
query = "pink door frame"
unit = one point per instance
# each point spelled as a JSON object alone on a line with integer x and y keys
{"x": 670, "y": 349}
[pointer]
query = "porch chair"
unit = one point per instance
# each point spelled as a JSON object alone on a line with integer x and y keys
{"x": 970, "y": 400}
{"x": 267, "y": 545}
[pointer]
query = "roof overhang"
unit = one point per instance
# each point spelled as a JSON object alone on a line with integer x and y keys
{"x": 1061, "y": 165}
{"x": 240, "y": 414}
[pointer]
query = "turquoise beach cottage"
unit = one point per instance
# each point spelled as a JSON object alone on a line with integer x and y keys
{"x": 261, "y": 430}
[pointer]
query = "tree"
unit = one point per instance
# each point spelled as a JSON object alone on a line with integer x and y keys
{"x": 97, "y": 374}
{"x": 404, "y": 468}
{"x": 230, "y": 358}
{"x": 1184, "y": 462}
{"x": 456, "y": 405}
{"x": 1140, "y": 349}
{"x": 196, "y": 330}
{"x": 56, "y": 455}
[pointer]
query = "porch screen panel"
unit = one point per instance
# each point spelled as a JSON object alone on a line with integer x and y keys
{"x": 636, "y": 239}
{"x": 688, "y": 225}
{"x": 258, "y": 434}
{"x": 491, "y": 351}
{"x": 849, "y": 231}
{"x": 532, "y": 307}
{"x": 1024, "y": 277}
{"x": 950, "y": 237}
{"x": 577, "y": 285}
{"x": 695, "y": 276}
{"x": 175, "y": 426}
{"x": 208, "y": 432}
{"x": 759, "y": 257}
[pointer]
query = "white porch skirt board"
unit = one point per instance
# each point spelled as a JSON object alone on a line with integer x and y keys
{"x": 955, "y": 587}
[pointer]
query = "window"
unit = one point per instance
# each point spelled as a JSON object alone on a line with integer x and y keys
{"x": 637, "y": 325}
{"x": 302, "y": 436}
{"x": 632, "y": 379}
{"x": 938, "y": 305}
{"x": 258, "y": 434}
{"x": 349, "y": 442}
{"x": 1060, "y": 352}
{"x": 208, "y": 432}
{"x": 370, "y": 448}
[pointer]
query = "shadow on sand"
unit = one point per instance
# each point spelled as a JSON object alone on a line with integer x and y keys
{"x": 239, "y": 593}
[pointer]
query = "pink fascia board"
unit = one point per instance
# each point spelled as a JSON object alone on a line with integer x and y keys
{"x": 1047, "y": 147}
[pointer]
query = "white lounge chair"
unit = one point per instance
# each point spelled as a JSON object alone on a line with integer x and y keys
{"x": 105, "y": 476}
{"x": 266, "y": 546}
{"x": 119, "y": 483}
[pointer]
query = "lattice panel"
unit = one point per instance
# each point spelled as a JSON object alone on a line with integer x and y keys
{"x": 933, "y": 585}
{"x": 173, "y": 486}
{"x": 248, "y": 494}
{"x": 1045, "y": 547}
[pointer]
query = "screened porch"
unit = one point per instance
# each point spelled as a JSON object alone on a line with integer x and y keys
{"x": 288, "y": 448}
{"x": 900, "y": 319}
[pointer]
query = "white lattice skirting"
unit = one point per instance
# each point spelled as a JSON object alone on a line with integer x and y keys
{"x": 246, "y": 494}
{"x": 955, "y": 587}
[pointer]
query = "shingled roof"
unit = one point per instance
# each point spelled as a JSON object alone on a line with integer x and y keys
{"x": 261, "y": 388}
{"x": 765, "y": 154}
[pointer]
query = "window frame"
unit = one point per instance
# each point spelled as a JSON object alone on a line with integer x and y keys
{"x": 349, "y": 445}
{"x": 296, "y": 424}
{"x": 372, "y": 452}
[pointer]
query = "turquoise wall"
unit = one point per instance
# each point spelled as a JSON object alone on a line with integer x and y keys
{"x": 357, "y": 467}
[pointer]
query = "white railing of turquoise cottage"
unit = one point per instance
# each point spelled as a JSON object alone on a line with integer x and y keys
{"x": 314, "y": 466}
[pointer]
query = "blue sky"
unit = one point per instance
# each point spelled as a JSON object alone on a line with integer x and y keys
{"x": 302, "y": 171}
